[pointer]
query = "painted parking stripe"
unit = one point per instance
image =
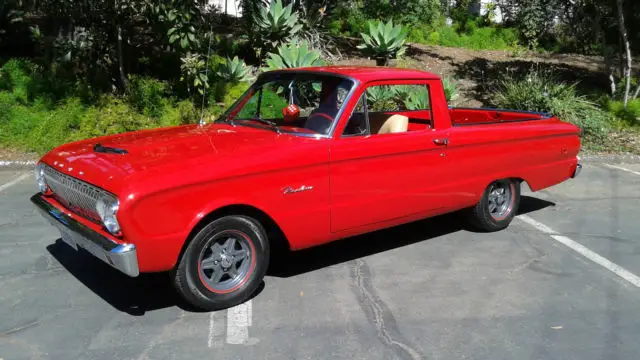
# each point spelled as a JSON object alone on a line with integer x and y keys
{"x": 622, "y": 168}
{"x": 584, "y": 251}
{"x": 238, "y": 321}
{"x": 14, "y": 181}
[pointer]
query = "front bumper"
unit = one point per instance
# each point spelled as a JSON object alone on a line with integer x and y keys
{"x": 120, "y": 256}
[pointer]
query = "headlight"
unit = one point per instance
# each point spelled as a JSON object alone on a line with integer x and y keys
{"x": 40, "y": 180}
{"x": 106, "y": 207}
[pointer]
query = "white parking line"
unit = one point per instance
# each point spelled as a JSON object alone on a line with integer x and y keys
{"x": 239, "y": 319}
{"x": 582, "y": 250}
{"x": 14, "y": 181}
{"x": 622, "y": 168}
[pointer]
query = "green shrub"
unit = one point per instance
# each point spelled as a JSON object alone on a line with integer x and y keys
{"x": 627, "y": 116}
{"x": 543, "y": 93}
{"x": 16, "y": 76}
{"x": 55, "y": 127}
{"x": 147, "y": 95}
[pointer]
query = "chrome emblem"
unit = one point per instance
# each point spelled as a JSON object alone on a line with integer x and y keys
{"x": 290, "y": 190}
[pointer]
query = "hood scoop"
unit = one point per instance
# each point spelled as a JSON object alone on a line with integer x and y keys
{"x": 106, "y": 149}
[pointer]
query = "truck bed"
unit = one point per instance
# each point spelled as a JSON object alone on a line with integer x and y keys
{"x": 480, "y": 116}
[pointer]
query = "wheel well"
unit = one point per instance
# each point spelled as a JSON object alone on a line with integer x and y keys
{"x": 277, "y": 239}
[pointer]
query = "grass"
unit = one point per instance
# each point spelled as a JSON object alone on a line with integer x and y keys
{"x": 482, "y": 38}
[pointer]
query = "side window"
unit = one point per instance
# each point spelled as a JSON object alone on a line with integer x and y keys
{"x": 385, "y": 98}
{"x": 391, "y": 109}
{"x": 357, "y": 124}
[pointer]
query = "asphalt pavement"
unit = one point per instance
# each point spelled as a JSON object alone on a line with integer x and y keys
{"x": 433, "y": 289}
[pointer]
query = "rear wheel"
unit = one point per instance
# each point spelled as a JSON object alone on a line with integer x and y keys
{"x": 224, "y": 263}
{"x": 498, "y": 205}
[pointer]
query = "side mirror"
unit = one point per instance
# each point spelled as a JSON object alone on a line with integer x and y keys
{"x": 291, "y": 113}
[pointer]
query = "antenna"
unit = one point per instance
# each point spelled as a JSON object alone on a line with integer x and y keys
{"x": 206, "y": 73}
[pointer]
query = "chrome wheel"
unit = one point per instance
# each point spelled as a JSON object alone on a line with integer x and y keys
{"x": 500, "y": 199}
{"x": 226, "y": 261}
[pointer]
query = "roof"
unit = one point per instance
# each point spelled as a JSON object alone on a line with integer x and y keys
{"x": 370, "y": 73}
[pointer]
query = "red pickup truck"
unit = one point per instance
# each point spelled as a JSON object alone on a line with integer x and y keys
{"x": 307, "y": 155}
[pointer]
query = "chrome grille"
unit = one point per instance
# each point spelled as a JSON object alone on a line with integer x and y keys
{"x": 76, "y": 195}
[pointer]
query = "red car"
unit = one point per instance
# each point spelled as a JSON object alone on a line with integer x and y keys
{"x": 307, "y": 155}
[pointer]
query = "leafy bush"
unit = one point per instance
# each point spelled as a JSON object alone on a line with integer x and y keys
{"x": 543, "y": 93}
{"x": 407, "y": 12}
{"x": 294, "y": 55}
{"x": 629, "y": 115}
{"x": 147, "y": 95}
{"x": 234, "y": 70}
{"x": 383, "y": 41}
{"x": 16, "y": 76}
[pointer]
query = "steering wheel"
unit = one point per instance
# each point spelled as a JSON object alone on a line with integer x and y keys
{"x": 319, "y": 122}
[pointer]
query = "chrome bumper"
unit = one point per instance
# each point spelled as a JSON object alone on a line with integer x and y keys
{"x": 120, "y": 256}
{"x": 576, "y": 172}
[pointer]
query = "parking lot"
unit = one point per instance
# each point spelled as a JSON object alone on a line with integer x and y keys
{"x": 560, "y": 283}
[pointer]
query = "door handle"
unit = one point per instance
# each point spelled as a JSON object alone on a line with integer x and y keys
{"x": 443, "y": 141}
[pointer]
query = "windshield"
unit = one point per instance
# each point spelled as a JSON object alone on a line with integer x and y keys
{"x": 316, "y": 99}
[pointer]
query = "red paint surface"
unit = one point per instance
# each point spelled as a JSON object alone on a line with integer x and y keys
{"x": 173, "y": 177}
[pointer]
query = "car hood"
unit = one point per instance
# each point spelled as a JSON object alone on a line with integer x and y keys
{"x": 162, "y": 151}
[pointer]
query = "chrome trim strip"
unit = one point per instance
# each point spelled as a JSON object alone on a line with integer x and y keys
{"x": 122, "y": 257}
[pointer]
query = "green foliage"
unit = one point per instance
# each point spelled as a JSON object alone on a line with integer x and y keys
{"x": 450, "y": 89}
{"x": 383, "y": 41}
{"x": 543, "y": 93}
{"x": 473, "y": 37}
{"x": 234, "y": 70}
{"x": 147, "y": 95}
{"x": 294, "y": 55}
{"x": 194, "y": 73}
{"x": 407, "y": 12}
{"x": 16, "y": 76}
{"x": 276, "y": 25}
{"x": 629, "y": 116}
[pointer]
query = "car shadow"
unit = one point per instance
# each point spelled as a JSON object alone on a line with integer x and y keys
{"x": 154, "y": 291}
{"x": 303, "y": 261}
{"x": 135, "y": 296}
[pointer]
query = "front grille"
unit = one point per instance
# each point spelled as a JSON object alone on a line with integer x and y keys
{"x": 76, "y": 195}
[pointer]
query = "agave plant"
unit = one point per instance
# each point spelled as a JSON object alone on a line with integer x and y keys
{"x": 383, "y": 41}
{"x": 277, "y": 24}
{"x": 234, "y": 70}
{"x": 414, "y": 97}
{"x": 294, "y": 55}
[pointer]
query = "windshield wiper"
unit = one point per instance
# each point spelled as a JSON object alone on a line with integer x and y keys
{"x": 267, "y": 122}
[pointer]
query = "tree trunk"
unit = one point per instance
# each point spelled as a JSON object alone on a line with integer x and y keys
{"x": 635, "y": 96}
{"x": 627, "y": 49}
{"x": 123, "y": 77}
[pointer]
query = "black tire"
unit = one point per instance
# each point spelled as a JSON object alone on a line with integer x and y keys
{"x": 194, "y": 283}
{"x": 484, "y": 217}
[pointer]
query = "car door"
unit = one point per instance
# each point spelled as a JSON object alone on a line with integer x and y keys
{"x": 377, "y": 177}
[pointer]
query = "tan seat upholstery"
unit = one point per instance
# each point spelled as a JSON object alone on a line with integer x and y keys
{"x": 384, "y": 124}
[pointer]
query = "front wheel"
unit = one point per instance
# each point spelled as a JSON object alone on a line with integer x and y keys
{"x": 224, "y": 263}
{"x": 498, "y": 205}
